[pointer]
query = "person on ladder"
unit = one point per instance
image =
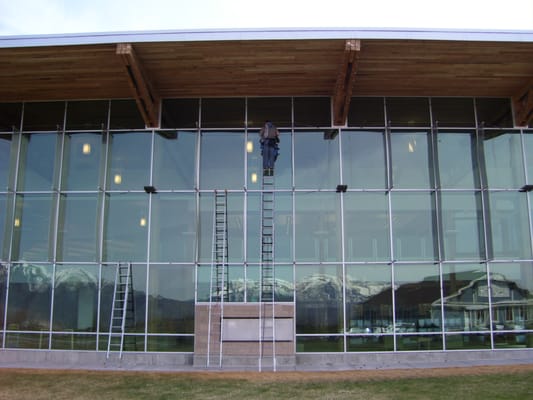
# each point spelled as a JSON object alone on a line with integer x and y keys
{"x": 269, "y": 139}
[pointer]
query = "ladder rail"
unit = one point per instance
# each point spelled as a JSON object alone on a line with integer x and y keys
{"x": 267, "y": 276}
{"x": 218, "y": 284}
{"x": 119, "y": 306}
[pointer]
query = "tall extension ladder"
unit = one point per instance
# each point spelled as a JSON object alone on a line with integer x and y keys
{"x": 218, "y": 287}
{"x": 122, "y": 310}
{"x": 266, "y": 294}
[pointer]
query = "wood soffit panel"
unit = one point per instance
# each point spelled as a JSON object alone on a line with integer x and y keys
{"x": 268, "y": 68}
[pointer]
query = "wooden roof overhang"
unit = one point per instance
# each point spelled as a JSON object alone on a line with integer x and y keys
{"x": 123, "y": 67}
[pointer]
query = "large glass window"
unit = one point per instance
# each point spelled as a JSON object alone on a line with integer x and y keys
{"x": 125, "y": 227}
{"x": 465, "y": 306}
{"x": 453, "y": 111}
{"x": 179, "y": 113}
{"x": 511, "y": 289}
{"x": 44, "y": 116}
{"x": 316, "y": 160}
{"x": 457, "y": 160}
{"x": 3, "y": 228}
{"x": 319, "y": 299}
{"x": 366, "y": 111}
{"x": 494, "y": 112}
{"x": 369, "y": 305}
{"x": 32, "y": 227}
{"x": 83, "y": 156}
{"x": 174, "y": 160}
{"x": 528, "y": 149}
{"x": 7, "y": 162}
{"x": 462, "y": 226}
{"x": 503, "y": 159}
{"x": 222, "y": 160}
{"x": 78, "y": 227}
{"x": 3, "y": 291}
{"x": 411, "y": 160}
{"x": 125, "y": 115}
{"x": 283, "y": 163}
{"x": 38, "y": 164}
{"x": 363, "y": 159}
{"x": 509, "y": 226}
{"x": 84, "y": 115}
{"x": 173, "y": 227}
{"x": 312, "y": 111}
{"x": 171, "y": 299}
{"x": 317, "y": 227}
{"x": 366, "y": 227}
{"x": 223, "y": 113}
{"x": 75, "y": 298}
{"x": 408, "y": 111}
{"x": 275, "y": 109}
{"x": 129, "y": 165}
{"x": 413, "y": 227}
{"x": 417, "y": 289}
{"x": 30, "y": 295}
{"x": 10, "y": 115}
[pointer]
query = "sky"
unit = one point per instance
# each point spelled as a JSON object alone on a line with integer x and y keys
{"x": 36, "y": 17}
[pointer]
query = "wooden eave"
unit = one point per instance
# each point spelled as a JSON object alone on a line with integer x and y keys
{"x": 306, "y": 67}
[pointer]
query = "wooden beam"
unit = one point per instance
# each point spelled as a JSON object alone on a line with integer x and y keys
{"x": 523, "y": 105}
{"x": 345, "y": 78}
{"x": 146, "y": 97}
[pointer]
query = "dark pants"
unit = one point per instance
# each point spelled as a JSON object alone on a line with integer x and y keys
{"x": 269, "y": 153}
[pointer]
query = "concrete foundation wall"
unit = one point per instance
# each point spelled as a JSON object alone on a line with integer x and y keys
{"x": 59, "y": 359}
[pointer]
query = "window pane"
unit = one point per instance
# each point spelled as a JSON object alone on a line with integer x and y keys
{"x": 30, "y": 292}
{"x": 366, "y": 111}
{"x": 10, "y": 116}
{"x": 528, "y": 149}
{"x": 83, "y": 161}
{"x": 171, "y": 299}
{"x": 45, "y": 116}
{"x": 494, "y": 112}
{"x": 316, "y": 161}
{"x": 78, "y": 227}
{"x": 503, "y": 159}
{"x": 319, "y": 299}
{"x": 174, "y": 160}
{"x": 283, "y": 248}
{"x": 417, "y": 288}
{"x": 32, "y": 230}
{"x": 173, "y": 230}
{"x": 363, "y": 159}
{"x": 3, "y": 228}
{"x": 317, "y": 226}
{"x": 411, "y": 166}
{"x": 462, "y": 226}
{"x": 180, "y": 113}
{"x": 453, "y": 111}
{"x": 38, "y": 161}
{"x": 412, "y": 226}
{"x": 369, "y": 299}
{"x": 509, "y": 228}
{"x": 138, "y": 279}
{"x": 222, "y": 160}
{"x": 125, "y": 115}
{"x": 125, "y": 227}
{"x": 6, "y": 145}
{"x": 457, "y": 160}
{"x": 408, "y": 111}
{"x": 3, "y": 291}
{"x": 465, "y": 307}
{"x": 366, "y": 227}
{"x": 87, "y": 115}
{"x": 511, "y": 289}
{"x": 223, "y": 113}
{"x": 312, "y": 111}
{"x": 283, "y": 165}
{"x": 275, "y": 109}
{"x": 75, "y": 298}
{"x": 129, "y": 168}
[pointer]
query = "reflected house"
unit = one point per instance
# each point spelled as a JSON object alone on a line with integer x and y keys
{"x": 468, "y": 309}
{"x": 401, "y": 210}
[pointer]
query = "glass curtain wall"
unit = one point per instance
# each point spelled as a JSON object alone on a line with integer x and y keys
{"x": 408, "y": 229}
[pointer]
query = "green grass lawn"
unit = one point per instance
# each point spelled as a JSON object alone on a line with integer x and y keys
{"x": 95, "y": 385}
